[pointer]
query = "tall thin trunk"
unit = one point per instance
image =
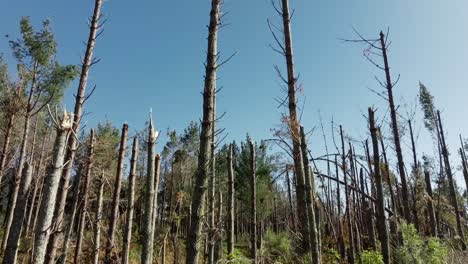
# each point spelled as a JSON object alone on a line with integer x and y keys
{"x": 114, "y": 217}
{"x": 157, "y": 173}
{"x": 291, "y": 207}
{"x": 131, "y": 199}
{"x": 381, "y": 222}
{"x": 352, "y": 254}
{"x": 341, "y": 244}
{"x": 148, "y": 231}
{"x": 430, "y": 205}
{"x": 453, "y": 192}
{"x": 253, "y": 201}
{"x": 230, "y": 206}
{"x": 310, "y": 199}
{"x": 294, "y": 128}
{"x": 396, "y": 132}
{"x": 211, "y": 201}
{"x": 51, "y": 185}
{"x": 416, "y": 178}
{"x": 84, "y": 198}
{"x": 6, "y": 145}
{"x": 97, "y": 227}
{"x": 18, "y": 216}
{"x": 198, "y": 207}
{"x": 464, "y": 162}
{"x": 72, "y": 144}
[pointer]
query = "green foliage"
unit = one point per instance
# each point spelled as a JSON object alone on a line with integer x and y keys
{"x": 371, "y": 257}
{"x": 426, "y": 100}
{"x": 415, "y": 250}
{"x": 331, "y": 256}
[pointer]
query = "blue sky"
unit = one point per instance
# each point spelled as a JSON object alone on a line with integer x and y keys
{"x": 153, "y": 52}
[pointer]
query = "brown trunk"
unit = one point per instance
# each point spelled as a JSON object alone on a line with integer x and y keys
{"x": 464, "y": 164}
{"x": 206, "y": 136}
{"x": 114, "y": 217}
{"x": 230, "y": 201}
{"x": 6, "y": 145}
{"x": 430, "y": 205}
{"x": 381, "y": 222}
{"x": 131, "y": 200}
{"x": 453, "y": 192}
{"x": 396, "y": 132}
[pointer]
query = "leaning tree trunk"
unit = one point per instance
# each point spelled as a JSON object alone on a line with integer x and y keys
{"x": 72, "y": 143}
{"x": 97, "y": 227}
{"x": 381, "y": 222}
{"x": 114, "y": 217}
{"x": 464, "y": 164}
{"x": 430, "y": 205}
{"x": 230, "y": 200}
{"x": 148, "y": 231}
{"x": 84, "y": 205}
{"x": 206, "y": 135}
{"x": 396, "y": 132}
{"x": 253, "y": 198}
{"x": 18, "y": 217}
{"x": 453, "y": 193}
{"x": 294, "y": 128}
{"x": 314, "y": 245}
{"x": 416, "y": 177}
{"x": 131, "y": 200}
{"x": 51, "y": 184}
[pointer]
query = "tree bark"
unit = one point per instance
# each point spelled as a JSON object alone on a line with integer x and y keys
{"x": 6, "y": 145}
{"x": 381, "y": 222}
{"x": 310, "y": 199}
{"x": 253, "y": 198}
{"x": 51, "y": 184}
{"x": 453, "y": 192}
{"x": 230, "y": 200}
{"x": 72, "y": 144}
{"x": 18, "y": 217}
{"x": 396, "y": 132}
{"x": 206, "y": 136}
{"x": 430, "y": 205}
{"x": 97, "y": 227}
{"x": 131, "y": 199}
{"x": 114, "y": 217}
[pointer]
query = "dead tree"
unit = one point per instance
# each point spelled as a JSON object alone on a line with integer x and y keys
{"x": 148, "y": 228}
{"x": 253, "y": 198}
{"x": 95, "y": 25}
{"x": 157, "y": 173}
{"x": 84, "y": 198}
{"x": 453, "y": 193}
{"x": 310, "y": 199}
{"x": 114, "y": 217}
{"x": 381, "y": 221}
{"x": 18, "y": 217}
{"x": 286, "y": 50}
{"x": 230, "y": 199}
{"x": 206, "y": 136}
{"x": 51, "y": 185}
{"x": 131, "y": 200}
{"x": 464, "y": 162}
{"x": 98, "y": 220}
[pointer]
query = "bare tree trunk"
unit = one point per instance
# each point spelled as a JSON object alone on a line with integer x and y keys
{"x": 416, "y": 178}
{"x": 219, "y": 233}
{"x": 294, "y": 127}
{"x": 396, "y": 132}
{"x": 453, "y": 194}
{"x": 97, "y": 227}
{"x": 253, "y": 198}
{"x": 231, "y": 199}
{"x": 291, "y": 207}
{"x": 157, "y": 173}
{"x": 211, "y": 201}
{"x": 381, "y": 222}
{"x": 148, "y": 231}
{"x": 310, "y": 199}
{"x": 84, "y": 197}
{"x": 464, "y": 164}
{"x": 114, "y": 217}
{"x": 72, "y": 143}
{"x": 18, "y": 217}
{"x": 341, "y": 244}
{"x": 206, "y": 137}
{"x": 51, "y": 184}
{"x": 430, "y": 205}
{"x": 351, "y": 256}
{"x": 131, "y": 199}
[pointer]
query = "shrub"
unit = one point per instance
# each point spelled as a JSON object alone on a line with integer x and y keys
{"x": 371, "y": 257}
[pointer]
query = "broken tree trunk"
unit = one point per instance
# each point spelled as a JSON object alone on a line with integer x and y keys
{"x": 131, "y": 200}
{"x": 51, "y": 184}
{"x": 381, "y": 222}
{"x": 114, "y": 217}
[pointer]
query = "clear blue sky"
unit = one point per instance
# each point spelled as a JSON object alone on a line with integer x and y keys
{"x": 153, "y": 52}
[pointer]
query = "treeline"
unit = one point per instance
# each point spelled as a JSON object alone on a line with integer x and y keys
{"x": 72, "y": 194}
